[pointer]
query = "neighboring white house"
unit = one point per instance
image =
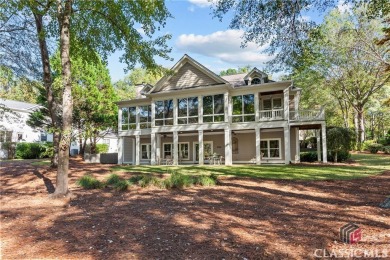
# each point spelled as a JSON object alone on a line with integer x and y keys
{"x": 195, "y": 116}
{"x": 13, "y": 126}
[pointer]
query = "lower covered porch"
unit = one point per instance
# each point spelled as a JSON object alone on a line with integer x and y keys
{"x": 215, "y": 147}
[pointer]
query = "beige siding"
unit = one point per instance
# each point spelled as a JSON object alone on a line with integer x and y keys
{"x": 293, "y": 143}
{"x": 128, "y": 150}
{"x": 187, "y": 76}
{"x": 246, "y": 143}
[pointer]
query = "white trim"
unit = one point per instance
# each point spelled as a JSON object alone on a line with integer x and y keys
{"x": 280, "y": 148}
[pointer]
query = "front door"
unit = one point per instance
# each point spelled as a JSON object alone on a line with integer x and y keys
{"x": 207, "y": 150}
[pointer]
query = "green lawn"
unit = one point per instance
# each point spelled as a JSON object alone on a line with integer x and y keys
{"x": 41, "y": 163}
{"x": 371, "y": 164}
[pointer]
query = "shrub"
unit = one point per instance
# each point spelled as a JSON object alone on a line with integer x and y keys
{"x": 180, "y": 180}
{"x": 102, "y": 148}
{"x": 148, "y": 180}
{"x": 204, "y": 180}
{"x": 135, "y": 179}
{"x": 121, "y": 185}
{"x": 308, "y": 156}
{"x": 89, "y": 182}
{"x": 374, "y": 148}
{"x": 341, "y": 156}
{"x": 49, "y": 150}
{"x": 30, "y": 150}
{"x": 386, "y": 149}
{"x": 113, "y": 179}
{"x": 367, "y": 144}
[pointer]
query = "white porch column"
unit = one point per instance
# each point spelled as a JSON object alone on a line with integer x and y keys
{"x": 227, "y": 107}
{"x": 287, "y": 148}
{"x": 120, "y": 150}
{"x": 153, "y": 149}
{"x": 257, "y": 107}
{"x": 137, "y": 117}
{"x": 298, "y": 146}
{"x": 201, "y": 147}
{"x": 175, "y": 111}
{"x": 258, "y": 151}
{"x": 286, "y": 96}
{"x": 153, "y": 110}
{"x": 324, "y": 150}
{"x": 297, "y": 97}
{"x": 158, "y": 148}
{"x": 228, "y": 147}
{"x": 137, "y": 148}
{"x": 175, "y": 148}
{"x": 318, "y": 144}
{"x": 200, "y": 110}
{"x": 120, "y": 119}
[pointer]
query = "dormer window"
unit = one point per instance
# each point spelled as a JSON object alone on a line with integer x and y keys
{"x": 256, "y": 81}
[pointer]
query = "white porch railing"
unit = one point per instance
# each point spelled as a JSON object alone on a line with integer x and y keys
{"x": 275, "y": 114}
{"x": 307, "y": 115}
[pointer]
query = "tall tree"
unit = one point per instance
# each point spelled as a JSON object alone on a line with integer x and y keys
{"x": 126, "y": 88}
{"x": 281, "y": 25}
{"x": 104, "y": 26}
{"x": 344, "y": 56}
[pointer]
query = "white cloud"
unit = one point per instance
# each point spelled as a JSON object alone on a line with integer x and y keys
{"x": 223, "y": 45}
{"x": 201, "y": 3}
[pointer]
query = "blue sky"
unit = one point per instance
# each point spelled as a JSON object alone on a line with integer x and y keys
{"x": 195, "y": 32}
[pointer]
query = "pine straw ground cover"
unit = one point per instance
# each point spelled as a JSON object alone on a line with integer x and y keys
{"x": 242, "y": 217}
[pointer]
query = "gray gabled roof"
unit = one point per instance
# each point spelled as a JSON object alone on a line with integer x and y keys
{"x": 18, "y": 105}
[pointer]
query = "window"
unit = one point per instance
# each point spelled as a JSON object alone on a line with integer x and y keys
{"x": 145, "y": 117}
{"x": 187, "y": 111}
{"x": 5, "y": 136}
{"x": 164, "y": 112}
{"x": 106, "y": 141}
{"x": 184, "y": 151}
{"x": 213, "y": 108}
{"x": 129, "y": 118}
{"x": 270, "y": 148}
{"x": 168, "y": 151}
{"x": 272, "y": 103}
{"x": 146, "y": 151}
{"x": 20, "y": 137}
{"x": 243, "y": 108}
{"x": 43, "y": 137}
{"x": 256, "y": 81}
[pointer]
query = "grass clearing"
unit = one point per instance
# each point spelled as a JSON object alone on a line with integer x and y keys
{"x": 41, "y": 163}
{"x": 369, "y": 164}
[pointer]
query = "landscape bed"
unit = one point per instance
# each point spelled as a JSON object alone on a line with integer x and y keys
{"x": 241, "y": 217}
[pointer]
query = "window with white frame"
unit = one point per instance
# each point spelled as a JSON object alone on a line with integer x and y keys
{"x": 145, "y": 117}
{"x": 187, "y": 111}
{"x": 183, "y": 150}
{"x": 243, "y": 108}
{"x": 146, "y": 151}
{"x": 256, "y": 81}
{"x": 272, "y": 103}
{"x": 270, "y": 148}
{"x": 129, "y": 118}
{"x": 5, "y": 136}
{"x": 213, "y": 108}
{"x": 164, "y": 112}
{"x": 167, "y": 151}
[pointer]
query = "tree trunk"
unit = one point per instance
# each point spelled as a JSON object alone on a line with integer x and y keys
{"x": 56, "y": 141}
{"x": 47, "y": 82}
{"x": 64, "y": 14}
{"x": 335, "y": 157}
{"x": 360, "y": 125}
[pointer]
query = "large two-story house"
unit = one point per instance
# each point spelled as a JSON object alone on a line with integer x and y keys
{"x": 194, "y": 116}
